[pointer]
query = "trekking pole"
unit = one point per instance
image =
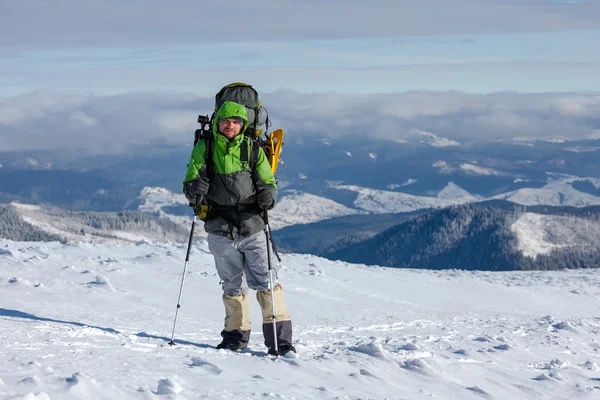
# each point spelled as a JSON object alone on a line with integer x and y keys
{"x": 273, "y": 245}
{"x": 187, "y": 259}
{"x": 268, "y": 234}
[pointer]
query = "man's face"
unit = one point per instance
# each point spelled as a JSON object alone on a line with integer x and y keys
{"x": 229, "y": 128}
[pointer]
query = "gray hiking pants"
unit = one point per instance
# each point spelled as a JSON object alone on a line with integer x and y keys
{"x": 242, "y": 263}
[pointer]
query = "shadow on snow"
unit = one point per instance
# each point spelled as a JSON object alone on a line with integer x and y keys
{"x": 20, "y": 314}
{"x": 4, "y": 312}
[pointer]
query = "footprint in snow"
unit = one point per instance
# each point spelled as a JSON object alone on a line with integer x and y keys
{"x": 207, "y": 367}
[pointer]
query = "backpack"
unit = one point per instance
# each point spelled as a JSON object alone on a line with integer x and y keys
{"x": 258, "y": 123}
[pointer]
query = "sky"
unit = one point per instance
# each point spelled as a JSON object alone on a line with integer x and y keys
{"x": 105, "y": 75}
{"x": 112, "y": 47}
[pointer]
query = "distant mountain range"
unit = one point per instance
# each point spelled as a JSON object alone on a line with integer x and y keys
{"x": 334, "y": 193}
{"x": 296, "y": 207}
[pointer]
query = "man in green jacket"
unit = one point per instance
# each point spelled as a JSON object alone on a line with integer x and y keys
{"x": 236, "y": 196}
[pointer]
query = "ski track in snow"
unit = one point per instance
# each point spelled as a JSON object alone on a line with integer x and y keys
{"x": 92, "y": 321}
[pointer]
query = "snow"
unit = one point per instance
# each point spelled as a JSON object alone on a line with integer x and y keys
{"x": 56, "y": 221}
{"x": 154, "y": 198}
{"x": 540, "y": 234}
{"x": 382, "y": 201}
{"x": 478, "y": 170}
{"x": 303, "y": 208}
{"x": 295, "y": 207}
{"x": 443, "y": 166}
{"x": 362, "y": 332}
{"x": 557, "y": 192}
{"x": 453, "y": 192}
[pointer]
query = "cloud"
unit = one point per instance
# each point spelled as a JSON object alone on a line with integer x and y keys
{"x": 578, "y": 106}
{"x": 101, "y": 23}
{"x": 454, "y": 115}
{"x": 105, "y": 124}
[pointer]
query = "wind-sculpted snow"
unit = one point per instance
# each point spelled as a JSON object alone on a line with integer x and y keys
{"x": 361, "y": 332}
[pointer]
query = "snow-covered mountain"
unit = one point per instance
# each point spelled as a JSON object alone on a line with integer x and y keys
{"x": 302, "y": 208}
{"x": 557, "y": 192}
{"x": 381, "y": 201}
{"x": 540, "y": 234}
{"x": 296, "y": 207}
{"x": 494, "y": 236}
{"x": 92, "y": 321}
{"x": 95, "y": 227}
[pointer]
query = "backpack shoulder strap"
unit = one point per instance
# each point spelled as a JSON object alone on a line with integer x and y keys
{"x": 252, "y": 157}
{"x": 208, "y": 156}
{"x": 254, "y": 154}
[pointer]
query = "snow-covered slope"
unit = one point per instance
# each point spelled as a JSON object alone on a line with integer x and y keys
{"x": 557, "y": 192}
{"x": 297, "y": 208}
{"x": 64, "y": 224}
{"x": 293, "y": 207}
{"x": 153, "y": 199}
{"x": 540, "y": 234}
{"x": 382, "y": 201}
{"x": 454, "y": 193}
{"x": 84, "y": 321}
{"x": 303, "y": 208}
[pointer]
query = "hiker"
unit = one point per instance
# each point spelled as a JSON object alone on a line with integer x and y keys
{"x": 236, "y": 196}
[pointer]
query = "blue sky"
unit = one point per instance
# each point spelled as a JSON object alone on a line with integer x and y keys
{"x": 110, "y": 47}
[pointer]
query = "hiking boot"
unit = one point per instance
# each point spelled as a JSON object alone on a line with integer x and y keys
{"x": 232, "y": 346}
{"x": 282, "y": 350}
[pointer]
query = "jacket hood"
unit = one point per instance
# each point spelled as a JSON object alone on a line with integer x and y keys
{"x": 231, "y": 109}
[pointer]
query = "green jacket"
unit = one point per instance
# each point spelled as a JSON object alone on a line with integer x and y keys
{"x": 233, "y": 210}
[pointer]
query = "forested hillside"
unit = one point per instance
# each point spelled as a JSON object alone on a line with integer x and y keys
{"x": 13, "y": 227}
{"x": 475, "y": 237}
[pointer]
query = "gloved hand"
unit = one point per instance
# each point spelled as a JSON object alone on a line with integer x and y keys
{"x": 264, "y": 198}
{"x": 197, "y": 187}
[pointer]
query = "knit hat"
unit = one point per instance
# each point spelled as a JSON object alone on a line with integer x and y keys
{"x": 238, "y": 119}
